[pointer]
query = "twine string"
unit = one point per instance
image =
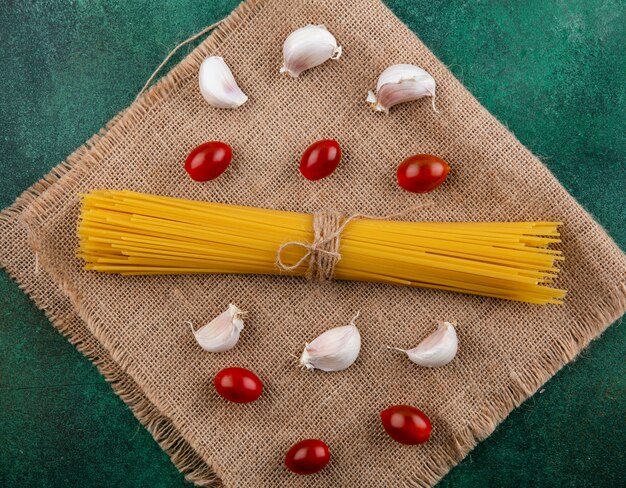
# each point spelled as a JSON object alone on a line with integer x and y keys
{"x": 173, "y": 51}
{"x": 323, "y": 253}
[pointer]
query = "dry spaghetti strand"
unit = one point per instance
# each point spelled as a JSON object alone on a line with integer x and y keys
{"x": 132, "y": 233}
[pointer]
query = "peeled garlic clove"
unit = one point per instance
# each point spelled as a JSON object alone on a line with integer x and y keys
{"x": 222, "y": 333}
{"x": 217, "y": 84}
{"x": 401, "y": 83}
{"x": 308, "y": 47}
{"x": 334, "y": 350}
{"x": 438, "y": 349}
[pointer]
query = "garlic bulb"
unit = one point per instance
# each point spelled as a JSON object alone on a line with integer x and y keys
{"x": 222, "y": 333}
{"x": 438, "y": 349}
{"x": 334, "y": 350}
{"x": 308, "y": 47}
{"x": 401, "y": 83}
{"x": 217, "y": 84}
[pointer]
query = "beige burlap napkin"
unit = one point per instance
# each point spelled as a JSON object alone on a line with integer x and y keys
{"x": 507, "y": 349}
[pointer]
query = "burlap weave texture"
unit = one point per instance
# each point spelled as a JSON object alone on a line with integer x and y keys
{"x": 507, "y": 349}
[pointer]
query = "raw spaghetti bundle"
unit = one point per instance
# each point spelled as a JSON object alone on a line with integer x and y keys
{"x": 138, "y": 234}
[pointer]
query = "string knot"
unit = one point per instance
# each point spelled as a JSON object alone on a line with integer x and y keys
{"x": 322, "y": 255}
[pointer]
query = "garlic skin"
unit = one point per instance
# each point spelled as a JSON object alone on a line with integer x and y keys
{"x": 308, "y": 47}
{"x": 438, "y": 349}
{"x": 218, "y": 85}
{"x": 334, "y": 350}
{"x": 401, "y": 83}
{"x": 222, "y": 333}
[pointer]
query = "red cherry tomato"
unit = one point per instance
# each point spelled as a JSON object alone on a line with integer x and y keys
{"x": 406, "y": 424}
{"x": 320, "y": 159}
{"x": 422, "y": 173}
{"x": 208, "y": 160}
{"x": 238, "y": 385}
{"x": 307, "y": 457}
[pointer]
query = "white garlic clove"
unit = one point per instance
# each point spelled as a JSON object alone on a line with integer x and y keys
{"x": 308, "y": 47}
{"x": 334, "y": 350}
{"x": 402, "y": 83}
{"x": 218, "y": 85}
{"x": 438, "y": 349}
{"x": 222, "y": 333}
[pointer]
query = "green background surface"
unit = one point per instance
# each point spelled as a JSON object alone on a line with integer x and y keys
{"x": 552, "y": 71}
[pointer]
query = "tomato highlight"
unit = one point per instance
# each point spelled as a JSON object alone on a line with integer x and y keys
{"x": 406, "y": 424}
{"x": 307, "y": 457}
{"x": 320, "y": 159}
{"x": 208, "y": 161}
{"x": 238, "y": 385}
{"x": 422, "y": 173}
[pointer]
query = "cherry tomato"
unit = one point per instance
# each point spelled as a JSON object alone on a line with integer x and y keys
{"x": 208, "y": 160}
{"x": 422, "y": 173}
{"x": 406, "y": 424}
{"x": 238, "y": 385}
{"x": 320, "y": 159}
{"x": 307, "y": 457}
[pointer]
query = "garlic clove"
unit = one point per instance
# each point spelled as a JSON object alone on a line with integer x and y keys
{"x": 401, "y": 83}
{"x": 438, "y": 349}
{"x": 222, "y": 333}
{"x": 308, "y": 47}
{"x": 218, "y": 85}
{"x": 334, "y": 350}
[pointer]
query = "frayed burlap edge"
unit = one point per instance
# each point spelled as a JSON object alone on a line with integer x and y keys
{"x": 171, "y": 438}
{"x": 182, "y": 454}
{"x": 496, "y": 405}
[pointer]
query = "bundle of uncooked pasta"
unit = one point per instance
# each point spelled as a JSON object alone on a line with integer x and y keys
{"x": 138, "y": 234}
